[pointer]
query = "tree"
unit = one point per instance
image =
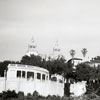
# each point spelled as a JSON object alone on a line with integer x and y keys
{"x": 84, "y": 72}
{"x": 3, "y": 66}
{"x": 84, "y": 52}
{"x": 52, "y": 65}
{"x": 56, "y": 66}
{"x": 32, "y": 60}
{"x": 96, "y": 58}
{"x": 72, "y": 53}
{"x": 68, "y": 70}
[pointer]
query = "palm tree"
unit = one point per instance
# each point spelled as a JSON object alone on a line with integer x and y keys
{"x": 84, "y": 52}
{"x": 72, "y": 53}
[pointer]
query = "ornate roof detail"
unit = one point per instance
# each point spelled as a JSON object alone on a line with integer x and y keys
{"x": 56, "y": 51}
{"x": 32, "y": 48}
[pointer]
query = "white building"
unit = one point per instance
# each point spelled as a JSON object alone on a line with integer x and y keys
{"x": 32, "y": 48}
{"x": 93, "y": 63}
{"x": 78, "y": 89}
{"x": 56, "y": 51}
{"x": 29, "y": 79}
{"x": 76, "y": 61}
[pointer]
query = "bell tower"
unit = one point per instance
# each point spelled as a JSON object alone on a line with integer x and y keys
{"x": 56, "y": 51}
{"x": 32, "y": 48}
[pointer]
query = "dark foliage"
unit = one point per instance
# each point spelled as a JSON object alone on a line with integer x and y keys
{"x": 96, "y": 58}
{"x": 32, "y": 60}
{"x": 29, "y": 96}
{"x": 68, "y": 70}
{"x": 21, "y": 95}
{"x": 54, "y": 66}
{"x": 3, "y": 66}
{"x": 9, "y": 94}
{"x": 93, "y": 88}
{"x": 84, "y": 72}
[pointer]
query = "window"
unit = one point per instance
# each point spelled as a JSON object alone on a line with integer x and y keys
{"x": 30, "y": 75}
{"x": 38, "y": 76}
{"x": 18, "y": 73}
{"x": 31, "y": 47}
{"x": 54, "y": 79}
{"x": 46, "y": 77}
{"x": 60, "y": 81}
{"x": 43, "y": 76}
{"x": 23, "y": 74}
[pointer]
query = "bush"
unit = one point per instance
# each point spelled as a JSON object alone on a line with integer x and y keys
{"x": 29, "y": 96}
{"x": 9, "y": 94}
{"x": 21, "y": 95}
{"x": 53, "y": 97}
{"x": 65, "y": 98}
{"x": 1, "y": 94}
{"x": 35, "y": 95}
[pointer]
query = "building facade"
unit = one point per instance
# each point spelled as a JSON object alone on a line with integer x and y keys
{"x": 32, "y": 48}
{"x": 29, "y": 79}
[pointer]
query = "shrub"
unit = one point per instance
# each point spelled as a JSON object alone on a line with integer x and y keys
{"x": 9, "y": 94}
{"x": 29, "y": 96}
{"x": 1, "y": 94}
{"x": 53, "y": 97}
{"x": 65, "y": 98}
{"x": 35, "y": 95}
{"x": 21, "y": 95}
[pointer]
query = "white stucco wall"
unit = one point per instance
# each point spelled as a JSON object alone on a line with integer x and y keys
{"x": 77, "y": 89}
{"x": 43, "y": 88}
{"x": 2, "y": 84}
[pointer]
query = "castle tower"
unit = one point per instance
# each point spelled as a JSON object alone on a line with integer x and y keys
{"x": 56, "y": 51}
{"x": 32, "y": 48}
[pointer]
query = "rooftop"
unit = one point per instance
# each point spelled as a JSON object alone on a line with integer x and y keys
{"x": 27, "y": 67}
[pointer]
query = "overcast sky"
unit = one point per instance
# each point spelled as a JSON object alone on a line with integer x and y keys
{"x": 74, "y": 23}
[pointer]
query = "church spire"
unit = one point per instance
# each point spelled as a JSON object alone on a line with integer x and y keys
{"x": 56, "y": 47}
{"x": 56, "y": 51}
{"x": 32, "y": 48}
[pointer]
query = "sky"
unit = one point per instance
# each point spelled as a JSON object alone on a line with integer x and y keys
{"x": 74, "y": 23}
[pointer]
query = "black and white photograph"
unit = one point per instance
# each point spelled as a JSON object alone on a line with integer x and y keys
{"x": 49, "y": 49}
